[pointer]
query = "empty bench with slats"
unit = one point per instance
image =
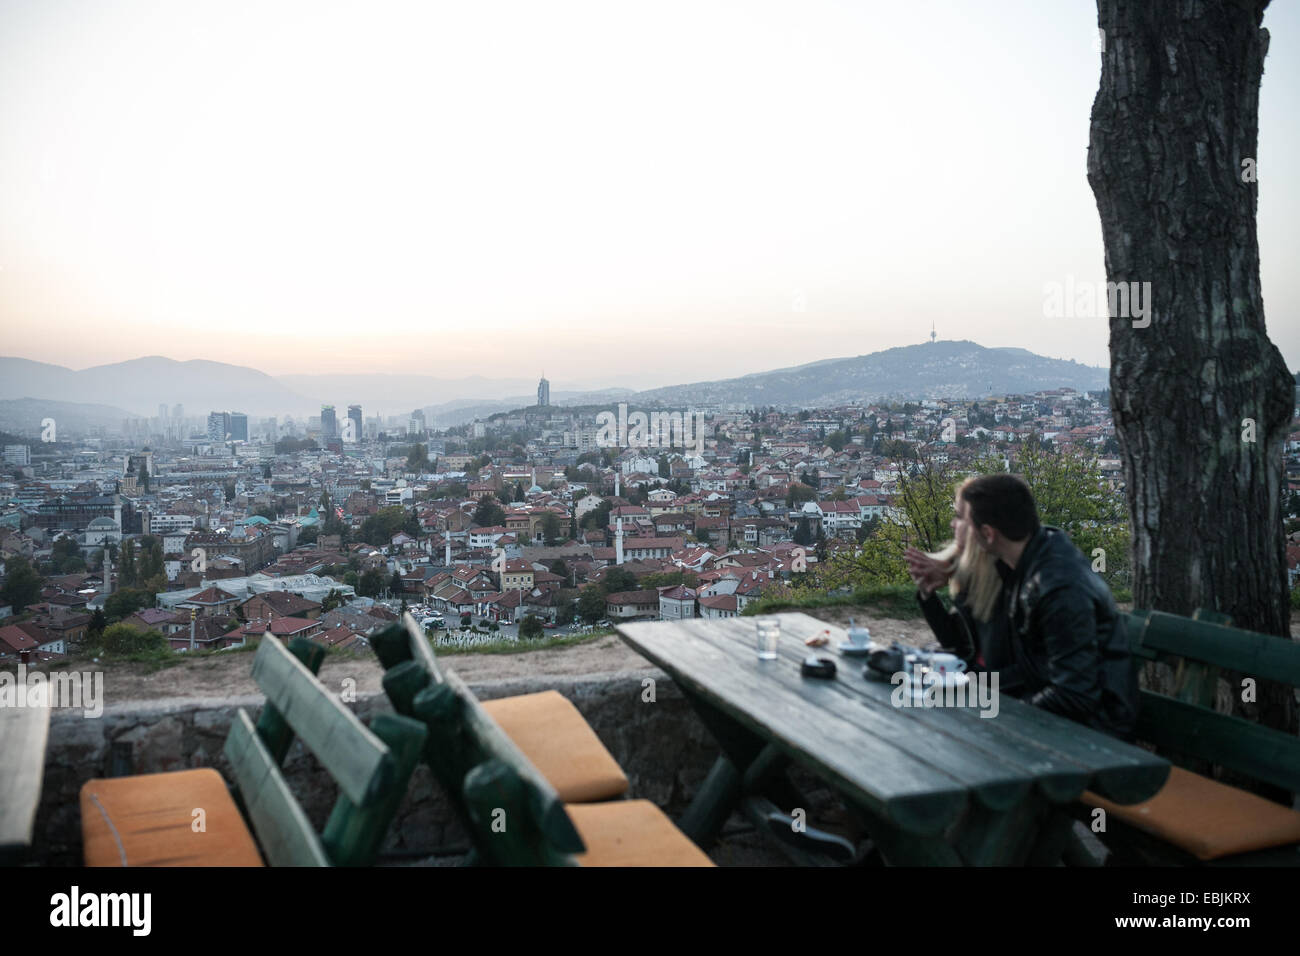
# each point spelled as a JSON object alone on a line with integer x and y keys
{"x": 1194, "y": 819}
{"x": 152, "y": 819}
{"x": 527, "y": 774}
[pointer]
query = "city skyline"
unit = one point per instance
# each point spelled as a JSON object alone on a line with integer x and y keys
{"x": 930, "y": 369}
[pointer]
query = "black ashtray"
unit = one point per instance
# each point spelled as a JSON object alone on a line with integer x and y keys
{"x": 823, "y": 667}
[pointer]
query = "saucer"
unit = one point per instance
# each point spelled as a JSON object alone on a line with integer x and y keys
{"x": 856, "y": 650}
{"x": 955, "y": 679}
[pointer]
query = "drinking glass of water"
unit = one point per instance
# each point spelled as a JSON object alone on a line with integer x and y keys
{"x": 769, "y": 632}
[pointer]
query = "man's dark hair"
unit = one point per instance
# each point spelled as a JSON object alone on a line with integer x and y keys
{"x": 1004, "y": 502}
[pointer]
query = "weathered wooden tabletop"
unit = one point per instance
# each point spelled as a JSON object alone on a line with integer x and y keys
{"x": 23, "y": 734}
{"x": 921, "y": 769}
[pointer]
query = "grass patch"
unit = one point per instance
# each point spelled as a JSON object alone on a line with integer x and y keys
{"x": 522, "y": 647}
{"x": 892, "y": 600}
{"x": 161, "y": 658}
{"x": 155, "y": 660}
{"x": 347, "y": 654}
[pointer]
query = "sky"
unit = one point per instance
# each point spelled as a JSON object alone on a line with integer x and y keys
{"x": 633, "y": 194}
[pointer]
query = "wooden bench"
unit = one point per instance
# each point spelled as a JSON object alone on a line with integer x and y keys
{"x": 548, "y": 730}
{"x": 190, "y": 817}
{"x": 24, "y": 732}
{"x": 515, "y": 814}
{"x": 1196, "y": 820}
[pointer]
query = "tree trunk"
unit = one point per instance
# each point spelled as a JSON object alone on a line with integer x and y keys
{"x": 1202, "y": 399}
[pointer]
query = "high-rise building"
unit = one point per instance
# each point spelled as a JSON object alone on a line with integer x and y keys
{"x": 543, "y": 392}
{"x": 416, "y": 424}
{"x": 218, "y": 426}
{"x": 18, "y": 455}
{"x": 162, "y": 411}
{"x": 238, "y": 426}
{"x": 354, "y": 416}
{"x": 329, "y": 426}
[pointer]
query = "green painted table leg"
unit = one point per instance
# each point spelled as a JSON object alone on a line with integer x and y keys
{"x": 1053, "y": 837}
{"x": 767, "y": 766}
{"x": 1035, "y": 832}
{"x": 905, "y": 849}
{"x": 997, "y": 838}
{"x": 717, "y": 797}
{"x": 747, "y": 764}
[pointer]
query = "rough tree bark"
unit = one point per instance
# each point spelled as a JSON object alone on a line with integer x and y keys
{"x": 1170, "y": 161}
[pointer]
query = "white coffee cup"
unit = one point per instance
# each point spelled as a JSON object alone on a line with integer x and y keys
{"x": 945, "y": 664}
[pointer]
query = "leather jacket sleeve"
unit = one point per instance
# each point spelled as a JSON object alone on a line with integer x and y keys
{"x": 1066, "y": 621}
{"x": 952, "y": 627}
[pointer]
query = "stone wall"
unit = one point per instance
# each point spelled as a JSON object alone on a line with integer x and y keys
{"x": 661, "y": 745}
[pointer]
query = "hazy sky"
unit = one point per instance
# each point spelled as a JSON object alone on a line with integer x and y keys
{"x": 631, "y": 194}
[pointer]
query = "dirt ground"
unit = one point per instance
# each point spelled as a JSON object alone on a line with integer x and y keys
{"x": 230, "y": 676}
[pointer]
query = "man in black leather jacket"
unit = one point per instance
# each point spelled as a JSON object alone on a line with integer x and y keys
{"x": 1056, "y": 637}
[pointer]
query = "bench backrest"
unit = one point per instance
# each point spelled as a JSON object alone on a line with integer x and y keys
{"x": 1186, "y": 721}
{"x": 371, "y": 766}
{"x": 513, "y": 813}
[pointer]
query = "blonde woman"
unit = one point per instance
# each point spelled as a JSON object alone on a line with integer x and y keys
{"x": 976, "y": 629}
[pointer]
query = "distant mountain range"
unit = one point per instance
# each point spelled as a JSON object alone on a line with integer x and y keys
{"x": 930, "y": 370}
{"x": 23, "y": 417}
{"x": 138, "y": 386}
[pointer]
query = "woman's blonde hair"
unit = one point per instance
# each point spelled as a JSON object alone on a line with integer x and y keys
{"x": 975, "y": 574}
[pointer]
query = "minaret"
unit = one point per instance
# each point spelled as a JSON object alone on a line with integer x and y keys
{"x": 616, "y": 484}
{"x": 618, "y": 542}
{"x": 447, "y": 554}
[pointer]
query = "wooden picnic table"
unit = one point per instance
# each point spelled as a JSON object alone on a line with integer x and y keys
{"x": 931, "y": 785}
{"x": 23, "y": 734}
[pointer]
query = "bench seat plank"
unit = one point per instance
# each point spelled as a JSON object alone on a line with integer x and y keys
{"x": 559, "y": 742}
{"x": 1206, "y": 818}
{"x": 148, "y": 820}
{"x": 632, "y": 833}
